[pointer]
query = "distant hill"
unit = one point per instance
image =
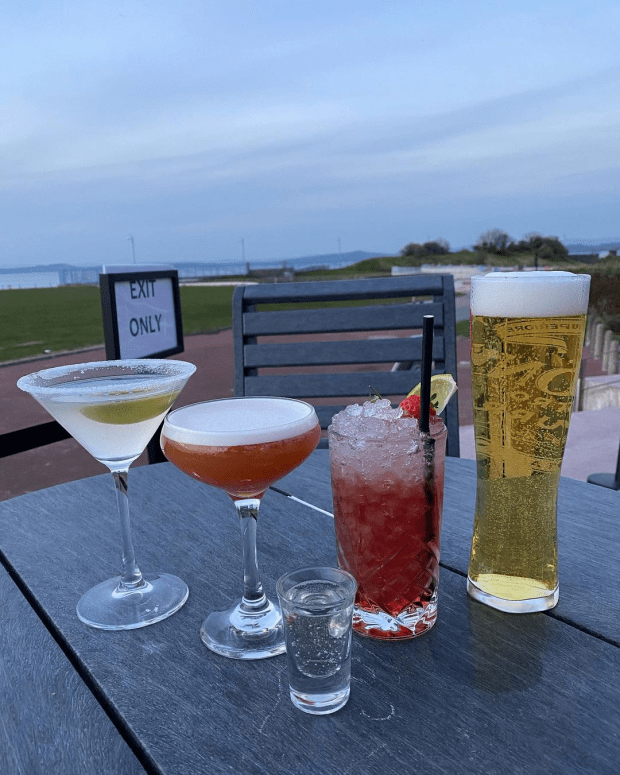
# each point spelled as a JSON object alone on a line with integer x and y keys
{"x": 327, "y": 259}
{"x": 591, "y": 247}
{"x": 231, "y": 267}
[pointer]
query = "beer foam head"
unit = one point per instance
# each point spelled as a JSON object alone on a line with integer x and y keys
{"x": 529, "y": 294}
{"x": 233, "y": 422}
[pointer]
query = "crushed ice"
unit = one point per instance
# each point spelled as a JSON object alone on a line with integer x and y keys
{"x": 381, "y": 409}
{"x": 375, "y": 419}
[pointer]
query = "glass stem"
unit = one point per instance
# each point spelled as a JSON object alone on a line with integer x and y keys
{"x": 130, "y": 575}
{"x": 253, "y": 596}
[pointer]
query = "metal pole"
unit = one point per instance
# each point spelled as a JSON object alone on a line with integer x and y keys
{"x": 582, "y": 376}
{"x": 611, "y": 481}
{"x": 133, "y": 248}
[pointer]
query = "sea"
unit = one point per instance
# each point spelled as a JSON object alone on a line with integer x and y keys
{"x": 54, "y": 275}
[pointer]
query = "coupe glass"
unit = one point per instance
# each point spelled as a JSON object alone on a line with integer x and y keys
{"x": 113, "y": 408}
{"x": 243, "y": 446}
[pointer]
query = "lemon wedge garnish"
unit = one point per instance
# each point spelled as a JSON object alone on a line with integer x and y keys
{"x": 443, "y": 387}
{"x": 129, "y": 411}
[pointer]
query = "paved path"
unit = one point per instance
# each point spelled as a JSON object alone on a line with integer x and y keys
{"x": 591, "y": 446}
{"x": 593, "y": 436}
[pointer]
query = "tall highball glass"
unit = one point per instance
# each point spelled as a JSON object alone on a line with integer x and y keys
{"x": 527, "y": 331}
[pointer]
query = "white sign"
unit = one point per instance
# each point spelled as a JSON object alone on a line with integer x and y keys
{"x": 146, "y": 316}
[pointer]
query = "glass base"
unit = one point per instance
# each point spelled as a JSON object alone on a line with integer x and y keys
{"x": 410, "y": 623}
{"x": 320, "y": 704}
{"x": 527, "y": 606}
{"x": 242, "y": 633}
{"x": 109, "y": 606}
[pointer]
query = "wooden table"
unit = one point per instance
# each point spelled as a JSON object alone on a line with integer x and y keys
{"x": 483, "y": 692}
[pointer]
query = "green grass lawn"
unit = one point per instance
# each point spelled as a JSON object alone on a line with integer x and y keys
{"x": 206, "y": 308}
{"x": 34, "y": 320}
{"x": 462, "y": 328}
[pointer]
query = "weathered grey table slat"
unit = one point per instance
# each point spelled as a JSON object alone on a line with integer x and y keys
{"x": 50, "y": 722}
{"x": 483, "y": 692}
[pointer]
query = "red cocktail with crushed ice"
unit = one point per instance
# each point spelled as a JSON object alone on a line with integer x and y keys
{"x": 387, "y": 482}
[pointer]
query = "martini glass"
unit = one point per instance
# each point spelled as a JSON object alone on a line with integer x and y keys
{"x": 243, "y": 446}
{"x": 113, "y": 408}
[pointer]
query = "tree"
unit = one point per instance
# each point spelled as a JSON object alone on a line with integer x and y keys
{"x": 412, "y": 249}
{"x": 494, "y": 241}
{"x": 543, "y": 248}
{"x": 434, "y": 248}
{"x": 552, "y": 248}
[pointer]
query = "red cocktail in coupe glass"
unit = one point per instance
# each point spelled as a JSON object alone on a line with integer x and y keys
{"x": 242, "y": 446}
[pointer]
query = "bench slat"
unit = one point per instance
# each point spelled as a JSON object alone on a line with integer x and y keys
{"x": 357, "y": 351}
{"x": 388, "y": 383}
{"x": 385, "y": 288}
{"x": 13, "y": 442}
{"x": 341, "y": 319}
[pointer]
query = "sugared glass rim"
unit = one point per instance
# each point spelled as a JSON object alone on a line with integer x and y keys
{"x": 230, "y": 438}
{"x": 61, "y": 380}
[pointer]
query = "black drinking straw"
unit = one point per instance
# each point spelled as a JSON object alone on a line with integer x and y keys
{"x": 427, "y": 366}
{"x": 428, "y": 442}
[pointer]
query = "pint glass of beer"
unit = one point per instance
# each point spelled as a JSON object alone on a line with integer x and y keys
{"x": 527, "y": 331}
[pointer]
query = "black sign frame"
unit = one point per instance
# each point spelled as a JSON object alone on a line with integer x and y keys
{"x": 107, "y": 283}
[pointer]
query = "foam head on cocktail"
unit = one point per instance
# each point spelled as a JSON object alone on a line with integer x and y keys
{"x": 243, "y": 446}
{"x": 388, "y": 498}
{"x": 113, "y": 408}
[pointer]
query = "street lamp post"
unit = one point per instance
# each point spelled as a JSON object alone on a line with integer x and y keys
{"x": 133, "y": 248}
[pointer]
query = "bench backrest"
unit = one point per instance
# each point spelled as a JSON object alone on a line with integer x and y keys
{"x": 34, "y": 436}
{"x": 311, "y": 343}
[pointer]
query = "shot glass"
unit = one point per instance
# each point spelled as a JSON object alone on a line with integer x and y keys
{"x": 317, "y": 608}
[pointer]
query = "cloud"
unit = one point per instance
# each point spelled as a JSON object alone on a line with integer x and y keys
{"x": 224, "y": 140}
{"x": 293, "y": 121}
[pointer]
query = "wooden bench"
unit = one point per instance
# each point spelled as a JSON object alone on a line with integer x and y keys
{"x": 336, "y": 341}
{"x": 14, "y": 442}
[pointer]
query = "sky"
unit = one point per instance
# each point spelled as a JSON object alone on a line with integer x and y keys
{"x": 262, "y": 129}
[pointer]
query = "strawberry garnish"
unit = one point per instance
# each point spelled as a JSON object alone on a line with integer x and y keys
{"x": 411, "y": 407}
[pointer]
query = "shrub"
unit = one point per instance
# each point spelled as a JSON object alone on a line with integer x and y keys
{"x": 605, "y": 292}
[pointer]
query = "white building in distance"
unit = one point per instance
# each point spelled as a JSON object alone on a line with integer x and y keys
{"x": 29, "y": 280}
